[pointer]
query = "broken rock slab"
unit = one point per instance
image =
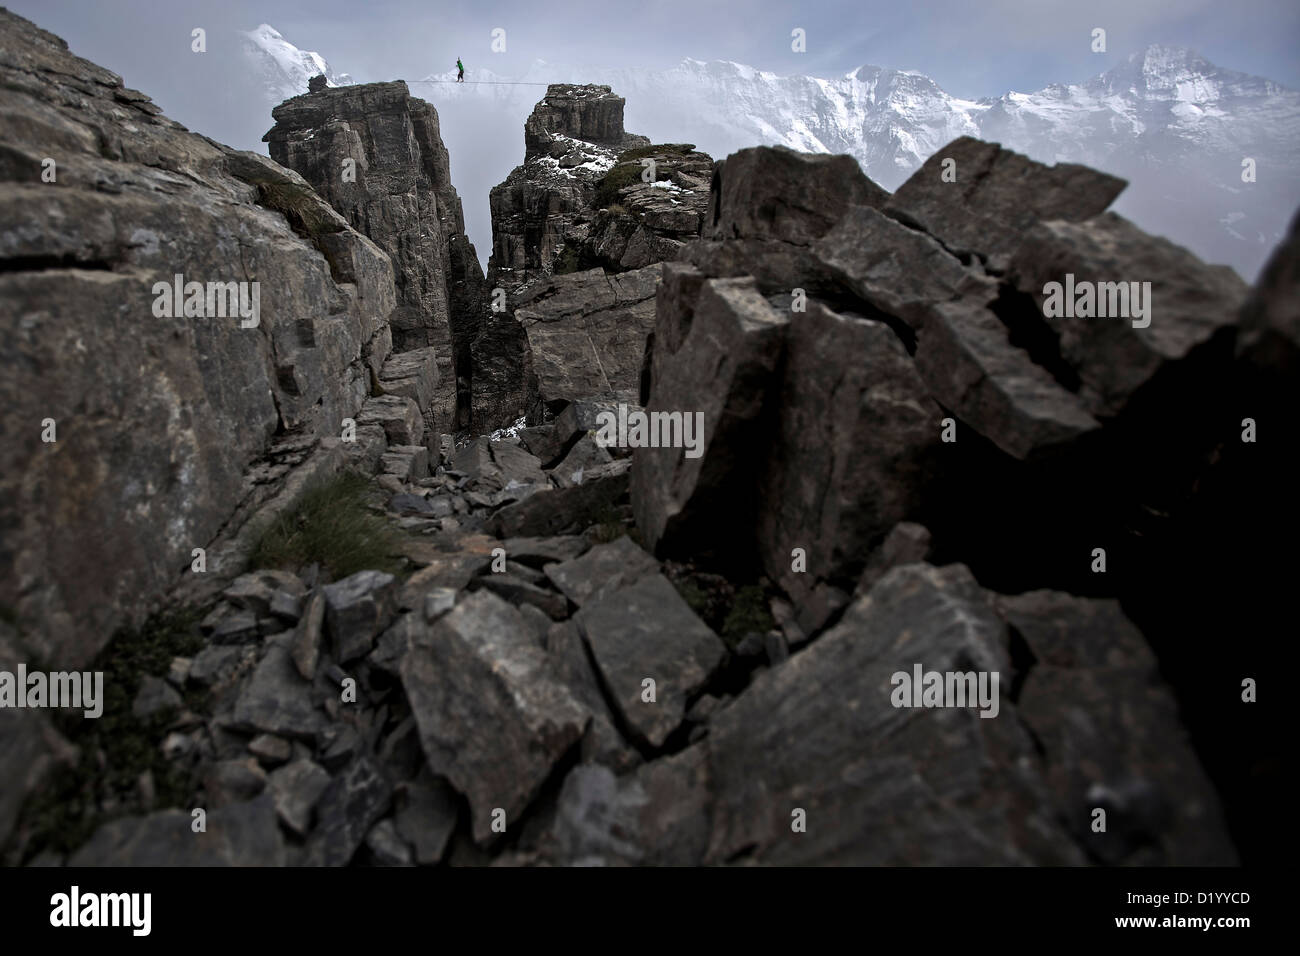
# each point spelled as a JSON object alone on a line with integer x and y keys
{"x": 602, "y": 743}
{"x": 397, "y": 415}
{"x": 645, "y": 631}
{"x": 611, "y": 565}
{"x": 493, "y": 717}
{"x": 964, "y": 354}
{"x": 586, "y": 455}
{"x": 656, "y": 816}
{"x": 723, "y": 370}
{"x": 1185, "y": 303}
{"x": 565, "y": 510}
{"x": 997, "y": 197}
{"x": 277, "y": 700}
{"x": 771, "y": 192}
{"x": 881, "y": 784}
{"x": 539, "y": 552}
{"x": 350, "y": 805}
{"x": 426, "y": 816}
{"x": 854, "y": 444}
{"x": 357, "y": 608}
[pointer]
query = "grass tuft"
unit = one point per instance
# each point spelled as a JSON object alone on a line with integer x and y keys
{"x": 332, "y": 525}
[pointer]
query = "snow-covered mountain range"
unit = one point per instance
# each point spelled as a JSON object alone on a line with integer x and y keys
{"x": 1172, "y": 123}
{"x": 284, "y": 68}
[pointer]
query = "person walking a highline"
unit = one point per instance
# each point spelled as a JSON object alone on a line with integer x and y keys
{"x": 460, "y": 68}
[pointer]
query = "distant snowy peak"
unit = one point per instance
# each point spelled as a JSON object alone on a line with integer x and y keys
{"x": 284, "y": 68}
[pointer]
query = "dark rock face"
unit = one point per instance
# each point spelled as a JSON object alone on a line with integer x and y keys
{"x": 138, "y": 200}
{"x": 777, "y": 193}
{"x": 376, "y": 154}
{"x": 586, "y": 334}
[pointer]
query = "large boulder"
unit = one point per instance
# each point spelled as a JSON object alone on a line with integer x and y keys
{"x": 850, "y": 453}
{"x": 776, "y": 193}
{"x": 978, "y": 199}
{"x": 722, "y": 374}
{"x": 1170, "y": 305}
{"x": 493, "y": 717}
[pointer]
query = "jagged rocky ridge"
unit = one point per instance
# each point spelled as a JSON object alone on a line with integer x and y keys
{"x": 520, "y": 690}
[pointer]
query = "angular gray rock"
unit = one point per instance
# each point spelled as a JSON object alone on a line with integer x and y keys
{"x": 657, "y": 816}
{"x": 966, "y": 358}
{"x": 232, "y": 781}
{"x": 565, "y": 510}
{"x": 426, "y": 816}
{"x": 997, "y": 197}
{"x": 520, "y": 592}
{"x": 155, "y": 697}
{"x": 775, "y": 193}
{"x": 603, "y": 567}
{"x": 493, "y": 718}
{"x": 880, "y": 784}
{"x": 851, "y": 451}
{"x": 216, "y": 662}
{"x": 646, "y": 631}
{"x": 602, "y": 742}
{"x": 501, "y": 466}
{"x": 296, "y": 788}
{"x": 350, "y": 805}
{"x": 257, "y": 591}
{"x": 397, "y": 415}
{"x": 586, "y": 455}
{"x": 906, "y": 543}
{"x": 307, "y": 635}
{"x": 723, "y": 369}
{"x": 539, "y": 552}
{"x": 276, "y": 699}
{"x": 357, "y": 608}
{"x": 1190, "y": 304}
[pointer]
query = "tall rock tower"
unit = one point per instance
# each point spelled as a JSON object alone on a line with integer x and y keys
{"x": 375, "y": 153}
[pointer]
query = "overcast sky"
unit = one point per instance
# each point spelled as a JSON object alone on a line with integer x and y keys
{"x": 972, "y": 49}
